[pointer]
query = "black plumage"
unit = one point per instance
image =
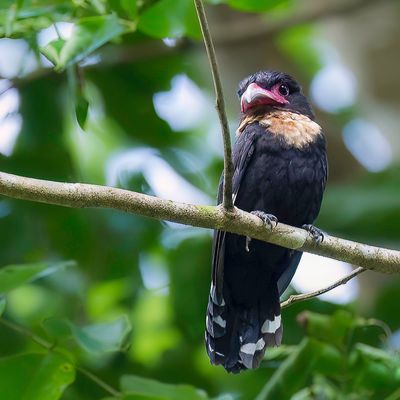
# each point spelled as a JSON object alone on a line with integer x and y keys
{"x": 280, "y": 169}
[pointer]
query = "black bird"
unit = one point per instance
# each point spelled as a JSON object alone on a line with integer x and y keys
{"x": 280, "y": 171}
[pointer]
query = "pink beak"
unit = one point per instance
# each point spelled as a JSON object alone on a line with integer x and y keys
{"x": 256, "y": 95}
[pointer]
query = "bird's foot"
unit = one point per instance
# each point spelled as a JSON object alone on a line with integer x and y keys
{"x": 316, "y": 234}
{"x": 268, "y": 219}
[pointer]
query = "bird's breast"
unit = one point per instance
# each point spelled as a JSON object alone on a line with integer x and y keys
{"x": 282, "y": 180}
{"x": 296, "y": 130}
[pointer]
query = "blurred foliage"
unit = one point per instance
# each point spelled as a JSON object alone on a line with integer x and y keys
{"x": 130, "y": 308}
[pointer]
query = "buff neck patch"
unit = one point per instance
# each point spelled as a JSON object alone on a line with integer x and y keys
{"x": 296, "y": 129}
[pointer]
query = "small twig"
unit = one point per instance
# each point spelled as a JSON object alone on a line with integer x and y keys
{"x": 7, "y": 88}
{"x": 220, "y": 105}
{"x": 307, "y": 296}
{"x": 25, "y": 332}
{"x": 380, "y": 324}
{"x": 50, "y": 347}
{"x": 58, "y": 33}
{"x": 99, "y": 382}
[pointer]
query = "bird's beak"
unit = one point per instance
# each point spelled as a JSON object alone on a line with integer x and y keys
{"x": 256, "y": 95}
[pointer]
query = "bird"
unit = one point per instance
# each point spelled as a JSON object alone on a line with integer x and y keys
{"x": 280, "y": 173}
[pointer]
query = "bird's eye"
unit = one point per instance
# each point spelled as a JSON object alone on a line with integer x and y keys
{"x": 283, "y": 90}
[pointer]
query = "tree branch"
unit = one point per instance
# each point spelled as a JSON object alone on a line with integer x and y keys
{"x": 307, "y": 296}
{"x": 220, "y": 105}
{"x": 78, "y": 195}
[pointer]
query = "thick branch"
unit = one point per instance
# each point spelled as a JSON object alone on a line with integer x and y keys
{"x": 307, "y": 296}
{"x": 78, "y": 195}
{"x": 220, "y": 104}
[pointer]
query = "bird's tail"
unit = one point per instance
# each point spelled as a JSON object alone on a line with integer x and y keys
{"x": 237, "y": 337}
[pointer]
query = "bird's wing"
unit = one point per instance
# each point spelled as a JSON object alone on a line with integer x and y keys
{"x": 318, "y": 173}
{"x": 242, "y": 153}
{"x": 284, "y": 280}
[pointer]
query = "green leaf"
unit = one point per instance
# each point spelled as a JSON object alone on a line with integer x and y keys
{"x": 11, "y": 15}
{"x": 81, "y": 110}
{"x": 89, "y": 34}
{"x": 52, "y": 50}
{"x": 76, "y": 83}
{"x": 170, "y": 18}
{"x": 99, "y": 6}
{"x": 331, "y": 328}
{"x": 13, "y": 276}
{"x": 280, "y": 352}
{"x": 57, "y": 327}
{"x": 127, "y": 9}
{"x": 374, "y": 369}
{"x": 134, "y": 386}
{"x": 257, "y": 5}
{"x": 376, "y": 354}
{"x": 98, "y": 338}
{"x": 35, "y": 376}
{"x": 130, "y": 7}
{"x": 105, "y": 337}
{"x": 296, "y": 369}
{"x": 322, "y": 388}
{"x": 3, "y": 304}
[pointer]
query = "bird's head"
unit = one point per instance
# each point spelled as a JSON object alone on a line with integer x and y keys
{"x": 266, "y": 89}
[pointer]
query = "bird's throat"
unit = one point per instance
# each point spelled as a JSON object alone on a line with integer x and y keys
{"x": 296, "y": 129}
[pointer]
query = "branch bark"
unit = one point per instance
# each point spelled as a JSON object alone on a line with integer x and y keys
{"x": 220, "y": 105}
{"x": 78, "y": 195}
{"x": 307, "y": 296}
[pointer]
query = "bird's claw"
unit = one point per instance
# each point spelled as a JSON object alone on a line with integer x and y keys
{"x": 268, "y": 219}
{"x": 248, "y": 240}
{"x": 317, "y": 235}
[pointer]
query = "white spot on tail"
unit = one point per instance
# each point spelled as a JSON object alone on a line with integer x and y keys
{"x": 210, "y": 348}
{"x": 219, "y": 321}
{"x": 248, "y": 348}
{"x": 271, "y": 326}
{"x": 251, "y": 348}
{"x": 214, "y": 297}
{"x": 260, "y": 344}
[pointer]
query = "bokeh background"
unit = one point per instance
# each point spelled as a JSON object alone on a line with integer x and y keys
{"x": 138, "y": 113}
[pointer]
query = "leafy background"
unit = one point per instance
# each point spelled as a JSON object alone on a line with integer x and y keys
{"x": 119, "y": 93}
